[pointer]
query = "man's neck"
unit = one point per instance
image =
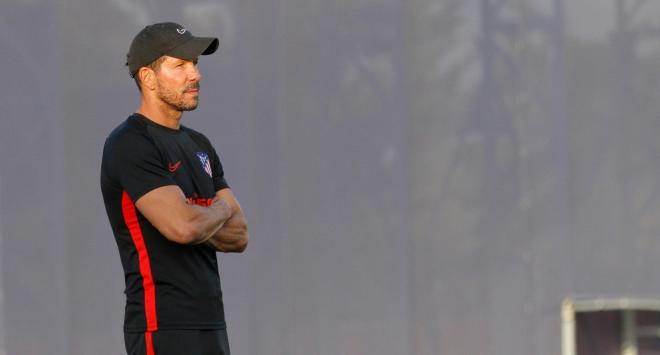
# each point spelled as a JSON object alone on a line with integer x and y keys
{"x": 161, "y": 114}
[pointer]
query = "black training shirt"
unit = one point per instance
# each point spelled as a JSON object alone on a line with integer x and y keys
{"x": 168, "y": 285}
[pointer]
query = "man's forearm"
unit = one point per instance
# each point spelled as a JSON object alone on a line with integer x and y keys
{"x": 167, "y": 210}
{"x": 232, "y": 237}
{"x": 207, "y": 221}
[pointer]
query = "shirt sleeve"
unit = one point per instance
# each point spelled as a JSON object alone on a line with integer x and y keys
{"x": 137, "y": 165}
{"x": 219, "y": 180}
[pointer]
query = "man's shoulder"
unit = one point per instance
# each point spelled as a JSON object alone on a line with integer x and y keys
{"x": 197, "y": 136}
{"x": 193, "y": 132}
{"x": 130, "y": 131}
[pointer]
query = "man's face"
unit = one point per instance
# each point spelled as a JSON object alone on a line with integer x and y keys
{"x": 178, "y": 83}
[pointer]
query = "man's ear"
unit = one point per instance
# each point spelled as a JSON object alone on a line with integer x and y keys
{"x": 147, "y": 78}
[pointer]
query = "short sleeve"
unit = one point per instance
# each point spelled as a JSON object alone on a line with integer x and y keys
{"x": 219, "y": 180}
{"x": 137, "y": 165}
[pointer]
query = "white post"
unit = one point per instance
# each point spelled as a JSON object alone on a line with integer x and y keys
{"x": 568, "y": 340}
{"x": 3, "y": 350}
{"x": 628, "y": 333}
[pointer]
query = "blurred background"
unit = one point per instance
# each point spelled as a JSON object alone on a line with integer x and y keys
{"x": 421, "y": 177}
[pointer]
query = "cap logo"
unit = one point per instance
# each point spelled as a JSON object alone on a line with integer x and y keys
{"x": 181, "y": 30}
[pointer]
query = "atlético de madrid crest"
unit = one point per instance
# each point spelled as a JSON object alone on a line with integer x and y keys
{"x": 206, "y": 163}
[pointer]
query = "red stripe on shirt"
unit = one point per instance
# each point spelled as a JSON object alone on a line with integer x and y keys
{"x": 150, "y": 343}
{"x": 131, "y": 219}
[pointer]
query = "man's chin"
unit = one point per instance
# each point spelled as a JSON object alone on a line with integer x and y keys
{"x": 188, "y": 107}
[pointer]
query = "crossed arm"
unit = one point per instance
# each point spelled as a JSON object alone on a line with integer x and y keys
{"x": 221, "y": 225}
{"x": 233, "y": 236}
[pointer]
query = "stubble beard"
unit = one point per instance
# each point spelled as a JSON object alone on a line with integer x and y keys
{"x": 178, "y": 99}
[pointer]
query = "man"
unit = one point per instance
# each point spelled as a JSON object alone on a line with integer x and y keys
{"x": 168, "y": 203}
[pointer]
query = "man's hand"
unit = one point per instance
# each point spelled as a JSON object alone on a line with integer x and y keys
{"x": 233, "y": 236}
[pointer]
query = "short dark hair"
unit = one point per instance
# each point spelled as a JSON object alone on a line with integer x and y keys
{"x": 155, "y": 66}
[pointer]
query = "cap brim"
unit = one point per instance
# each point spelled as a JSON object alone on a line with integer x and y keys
{"x": 195, "y": 47}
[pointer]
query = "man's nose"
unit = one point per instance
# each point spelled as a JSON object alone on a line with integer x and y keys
{"x": 193, "y": 73}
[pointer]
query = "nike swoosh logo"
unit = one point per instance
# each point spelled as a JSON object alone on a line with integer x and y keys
{"x": 174, "y": 167}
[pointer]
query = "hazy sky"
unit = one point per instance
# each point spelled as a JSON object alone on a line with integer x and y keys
{"x": 594, "y": 19}
{"x": 589, "y": 19}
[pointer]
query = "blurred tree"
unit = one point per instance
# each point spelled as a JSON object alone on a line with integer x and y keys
{"x": 481, "y": 147}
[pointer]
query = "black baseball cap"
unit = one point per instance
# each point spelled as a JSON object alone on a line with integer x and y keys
{"x": 166, "y": 38}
